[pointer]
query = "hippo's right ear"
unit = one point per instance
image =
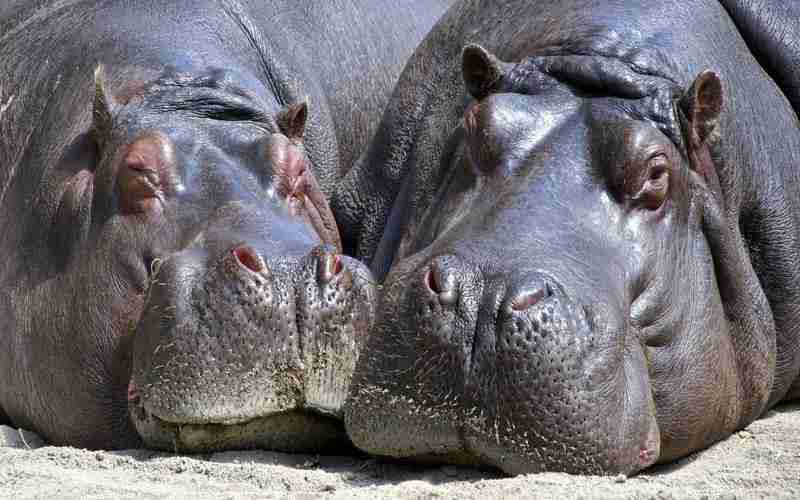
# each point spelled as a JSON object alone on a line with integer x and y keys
{"x": 104, "y": 106}
{"x": 702, "y": 105}
{"x": 482, "y": 71}
{"x": 292, "y": 120}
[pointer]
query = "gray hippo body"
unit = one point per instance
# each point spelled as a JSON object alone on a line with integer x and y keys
{"x": 588, "y": 229}
{"x": 772, "y": 32}
{"x": 171, "y": 269}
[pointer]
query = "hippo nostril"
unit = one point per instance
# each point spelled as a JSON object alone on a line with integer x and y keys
{"x": 447, "y": 294}
{"x": 535, "y": 290}
{"x": 328, "y": 267}
{"x": 430, "y": 282}
{"x": 526, "y": 300}
{"x": 337, "y": 268}
{"x": 248, "y": 258}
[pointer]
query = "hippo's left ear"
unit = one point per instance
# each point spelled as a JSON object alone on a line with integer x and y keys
{"x": 104, "y": 105}
{"x": 701, "y": 105}
{"x": 292, "y": 120}
{"x": 482, "y": 71}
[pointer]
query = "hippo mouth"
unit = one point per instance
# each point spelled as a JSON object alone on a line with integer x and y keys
{"x": 249, "y": 353}
{"x": 301, "y": 430}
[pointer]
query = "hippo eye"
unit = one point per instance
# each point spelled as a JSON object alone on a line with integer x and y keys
{"x": 146, "y": 174}
{"x": 656, "y": 184}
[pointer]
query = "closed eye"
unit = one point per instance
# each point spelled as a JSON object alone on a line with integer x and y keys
{"x": 215, "y": 105}
{"x": 223, "y": 111}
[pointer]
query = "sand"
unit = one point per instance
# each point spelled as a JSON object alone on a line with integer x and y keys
{"x": 761, "y": 461}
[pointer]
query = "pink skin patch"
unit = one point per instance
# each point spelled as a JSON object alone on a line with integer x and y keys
{"x": 248, "y": 258}
{"x": 645, "y": 457}
{"x": 296, "y": 183}
{"x": 431, "y": 283}
{"x": 289, "y": 163}
{"x": 133, "y": 394}
{"x": 527, "y": 300}
{"x": 144, "y": 175}
{"x": 337, "y": 265}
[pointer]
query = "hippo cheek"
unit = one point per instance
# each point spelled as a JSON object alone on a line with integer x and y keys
{"x": 234, "y": 356}
{"x": 467, "y": 376}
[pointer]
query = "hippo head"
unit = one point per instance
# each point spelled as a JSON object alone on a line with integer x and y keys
{"x": 245, "y": 320}
{"x": 570, "y": 299}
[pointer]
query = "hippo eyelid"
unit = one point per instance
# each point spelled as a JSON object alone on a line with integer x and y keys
{"x": 150, "y": 175}
{"x": 654, "y": 190}
{"x": 657, "y": 156}
{"x": 220, "y": 105}
{"x": 138, "y": 164}
{"x": 657, "y": 170}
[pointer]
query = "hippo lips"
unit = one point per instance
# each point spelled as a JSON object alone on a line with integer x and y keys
{"x": 298, "y": 430}
{"x": 296, "y": 426}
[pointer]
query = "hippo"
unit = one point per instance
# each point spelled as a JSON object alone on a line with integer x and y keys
{"x": 585, "y": 216}
{"x": 172, "y": 274}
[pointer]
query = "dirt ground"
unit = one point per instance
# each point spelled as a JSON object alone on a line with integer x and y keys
{"x": 762, "y": 461}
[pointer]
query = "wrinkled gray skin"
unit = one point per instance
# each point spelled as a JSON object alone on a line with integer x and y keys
{"x": 171, "y": 271}
{"x": 772, "y": 31}
{"x": 591, "y": 247}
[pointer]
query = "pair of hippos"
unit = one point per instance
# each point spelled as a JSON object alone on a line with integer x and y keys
{"x": 569, "y": 239}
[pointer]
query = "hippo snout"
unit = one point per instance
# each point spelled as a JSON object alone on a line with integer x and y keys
{"x": 534, "y": 382}
{"x": 242, "y": 349}
{"x": 454, "y": 295}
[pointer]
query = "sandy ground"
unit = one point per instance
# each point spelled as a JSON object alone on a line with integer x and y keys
{"x": 762, "y": 461}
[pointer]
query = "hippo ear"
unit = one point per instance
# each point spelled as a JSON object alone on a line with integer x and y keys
{"x": 104, "y": 106}
{"x": 702, "y": 105}
{"x": 292, "y": 120}
{"x": 482, "y": 71}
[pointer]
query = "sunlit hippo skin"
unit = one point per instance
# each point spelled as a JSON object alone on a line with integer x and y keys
{"x": 588, "y": 213}
{"x": 772, "y": 33}
{"x": 172, "y": 273}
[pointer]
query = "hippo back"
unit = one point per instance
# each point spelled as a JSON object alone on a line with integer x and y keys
{"x": 356, "y": 49}
{"x": 772, "y": 32}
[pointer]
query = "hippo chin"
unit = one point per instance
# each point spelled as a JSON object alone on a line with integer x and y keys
{"x": 591, "y": 248}
{"x": 172, "y": 273}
